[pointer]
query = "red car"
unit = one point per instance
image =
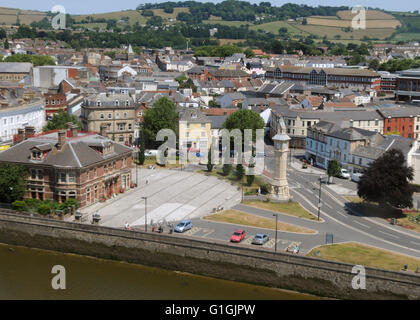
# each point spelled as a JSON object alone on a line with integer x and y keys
{"x": 238, "y": 236}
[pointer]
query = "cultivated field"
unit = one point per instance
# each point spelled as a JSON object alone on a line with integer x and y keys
{"x": 9, "y": 16}
{"x": 227, "y": 23}
{"x": 332, "y": 32}
{"x": 133, "y": 16}
{"x": 164, "y": 15}
{"x": 370, "y": 24}
{"x": 276, "y": 25}
{"x": 370, "y": 15}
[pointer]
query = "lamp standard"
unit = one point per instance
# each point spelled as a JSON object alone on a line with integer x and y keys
{"x": 275, "y": 245}
{"x": 137, "y": 166}
{"x": 319, "y": 198}
{"x": 145, "y": 212}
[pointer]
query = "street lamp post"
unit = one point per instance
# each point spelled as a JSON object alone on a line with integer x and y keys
{"x": 145, "y": 212}
{"x": 319, "y": 198}
{"x": 275, "y": 244}
{"x": 137, "y": 165}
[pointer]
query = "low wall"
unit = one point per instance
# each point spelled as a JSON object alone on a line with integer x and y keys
{"x": 225, "y": 261}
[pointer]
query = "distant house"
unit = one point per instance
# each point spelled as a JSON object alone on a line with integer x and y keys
{"x": 230, "y": 100}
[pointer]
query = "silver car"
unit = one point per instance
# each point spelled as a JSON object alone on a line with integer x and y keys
{"x": 260, "y": 239}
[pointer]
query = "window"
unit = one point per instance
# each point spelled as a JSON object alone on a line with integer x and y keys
{"x": 130, "y": 126}
{"x": 98, "y": 103}
{"x": 109, "y": 115}
{"x": 203, "y": 126}
{"x": 63, "y": 177}
{"x": 94, "y": 172}
{"x": 102, "y": 116}
{"x": 117, "y": 115}
{"x": 203, "y": 134}
{"x": 125, "y": 115}
{"x": 121, "y": 138}
{"x": 72, "y": 177}
{"x": 36, "y": 155}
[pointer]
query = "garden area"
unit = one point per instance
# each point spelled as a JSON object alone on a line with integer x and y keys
{"x": 250, "y": 184}
{"x": 45, "y": 207}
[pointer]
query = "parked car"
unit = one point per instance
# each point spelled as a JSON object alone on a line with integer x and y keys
{"x": 238, "y": 236}
{"x": 356, "y": 177}
{"x": 345, "y": 174}
{"x": 183, "y": 226}
{"x": 150, "y": 153}
{"x": 260, "y": 239}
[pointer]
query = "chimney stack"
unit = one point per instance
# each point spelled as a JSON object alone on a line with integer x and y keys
{"x": 61, "y": 138}
{"x": 72, "y": 128}
{"x": 103, "y": 131}
{"x": 29, "y": 131}
{"x": 20, "y": 135}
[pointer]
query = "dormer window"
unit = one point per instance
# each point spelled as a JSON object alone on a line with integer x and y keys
{"x": 117, "y": 103}
{"x": 98, "y": 103}
{"x": 127, "y": 103}
{"x": 36, "y": 155}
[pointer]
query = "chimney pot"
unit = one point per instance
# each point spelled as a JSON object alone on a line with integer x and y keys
{"x": 29, "y": 131}
{"x": 61, "y": 138}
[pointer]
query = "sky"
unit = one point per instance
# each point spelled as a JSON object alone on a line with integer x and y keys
{"x": 99, "y": 6}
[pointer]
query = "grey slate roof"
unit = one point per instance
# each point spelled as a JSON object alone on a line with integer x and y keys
{"x": 75, "y": 153}
{"x": 217, "y": 121}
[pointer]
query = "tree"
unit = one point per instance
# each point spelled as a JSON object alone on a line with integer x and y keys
{"x": 60, "y": 120}
{"x": 249, "y": 53}
{"x": 162, "y": 115}
{"x": 227, "y": 168}
{"x": 6, "y": 44}
{"x": 334, "y": 169}
{"x": 387, "y": 180}
{"x": 240, "y": 172}
{"x": 141, "y": 156}
{"x": 12, "y": 182}
{"x": 210, "y": 159}
{"x": 374, "y": 64}
{"x": 244, "y": 119}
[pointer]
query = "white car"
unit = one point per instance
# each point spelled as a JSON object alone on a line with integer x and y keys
{"x": 356, "y": 177}
{"x": 150, "y": 153}
{"x": 345, "y": 174}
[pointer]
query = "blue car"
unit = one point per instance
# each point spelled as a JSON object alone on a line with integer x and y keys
{"x": 183, "y": 226}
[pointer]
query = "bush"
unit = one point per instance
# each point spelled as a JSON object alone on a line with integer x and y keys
{"x": 227, "y": 168}
{"x": 70, "y": 202}
{"x": 19, "y": 205}
{"x": 44, "y": 209}
{"x": 264, "y": 188}
{"x": 250, "y": 180}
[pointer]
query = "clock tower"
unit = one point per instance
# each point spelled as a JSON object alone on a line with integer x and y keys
{"x": 279, "y": 185}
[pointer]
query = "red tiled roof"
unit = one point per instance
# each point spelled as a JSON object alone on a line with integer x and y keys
{"x": 219, "y": 111}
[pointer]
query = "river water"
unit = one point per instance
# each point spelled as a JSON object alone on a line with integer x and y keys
{"x": 26, "y": 274}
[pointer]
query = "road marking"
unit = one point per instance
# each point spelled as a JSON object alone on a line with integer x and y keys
{"x": 391, "y": 235}
{"x": 361, "y": 224}
{"x": 358, "y": 230}
{"x": 192, "y": 231}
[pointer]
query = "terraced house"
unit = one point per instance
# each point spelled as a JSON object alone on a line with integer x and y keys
{"x": 115, "y": 111}
{"x": 69, "y": 164}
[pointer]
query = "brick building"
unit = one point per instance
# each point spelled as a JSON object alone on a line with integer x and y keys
{"x": 404, "y": 121}
{"x": 68, "y": 164}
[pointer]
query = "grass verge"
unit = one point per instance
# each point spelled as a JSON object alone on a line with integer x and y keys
{"x": 359, "y": 254}
{"x": 289, "y": 208}
{"x": 250, "y": 220}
